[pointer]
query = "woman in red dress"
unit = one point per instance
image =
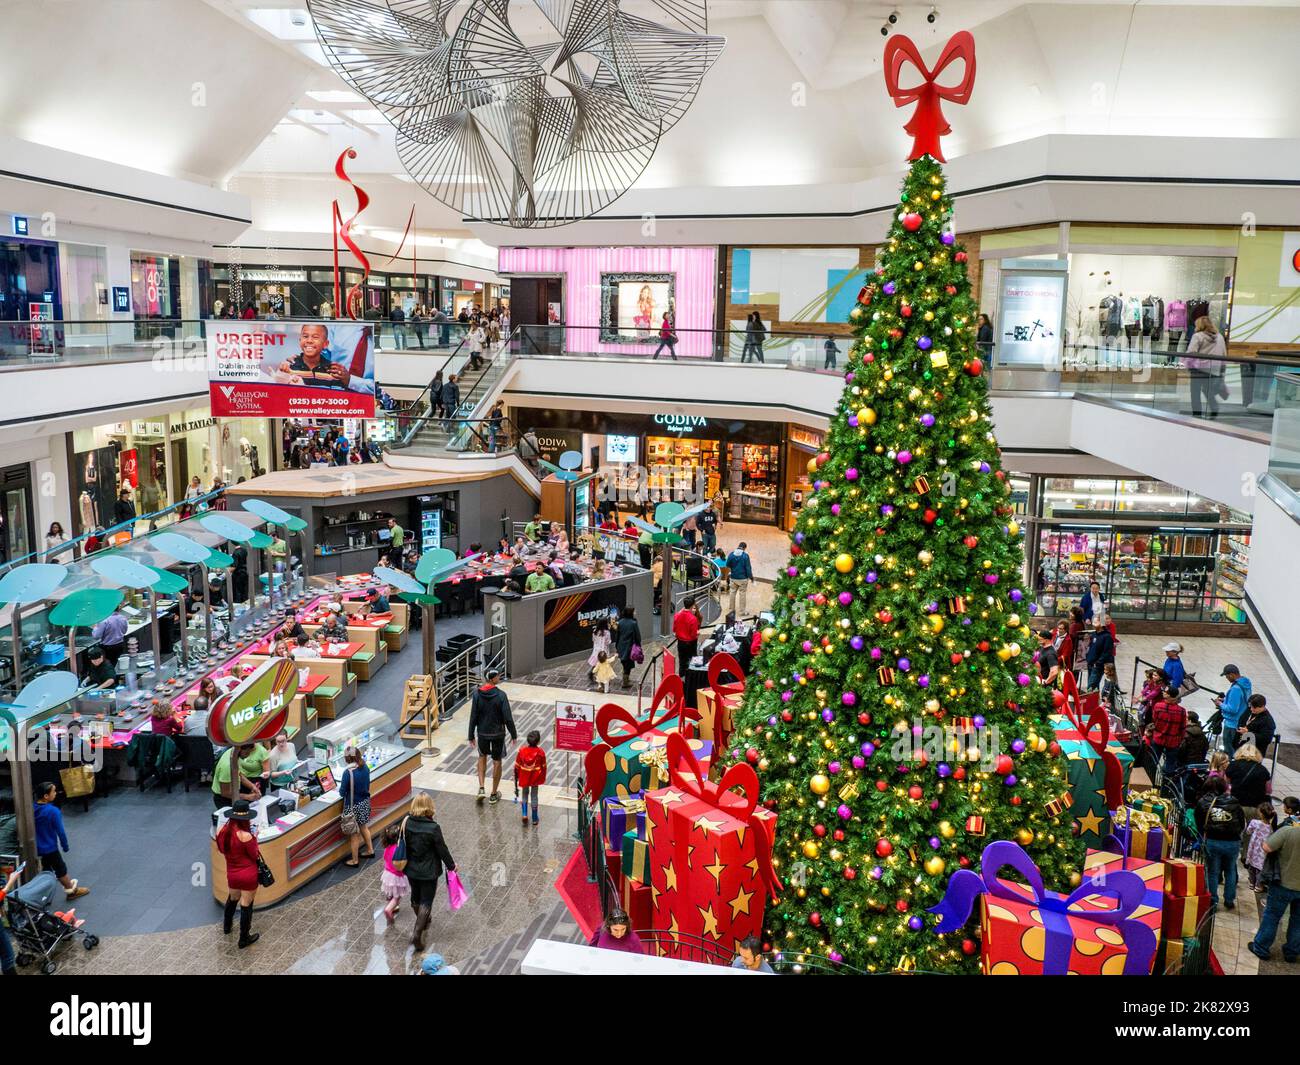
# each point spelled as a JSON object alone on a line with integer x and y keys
{"x": 239, "y": 847}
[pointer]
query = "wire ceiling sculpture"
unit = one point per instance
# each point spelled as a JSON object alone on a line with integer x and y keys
{"x": 524, "y": 135}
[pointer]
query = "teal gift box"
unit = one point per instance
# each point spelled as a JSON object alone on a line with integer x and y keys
{"x": 640, "y": 763}
{"x": 636, "y": 856}
{"x": 1097, "y": 780}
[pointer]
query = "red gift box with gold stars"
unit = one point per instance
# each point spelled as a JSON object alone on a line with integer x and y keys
{"x": 710, "y": 852}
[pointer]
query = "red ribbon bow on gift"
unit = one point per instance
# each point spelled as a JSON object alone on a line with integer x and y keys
{"x": 1086, "y": 721}
{"x": 685, "y": 773}
{"x": 718, "y": 665}
{"x": 616, "y": 725}
{"x": 927, "y": 125}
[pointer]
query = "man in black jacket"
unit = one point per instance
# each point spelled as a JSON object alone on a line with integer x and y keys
{"x": 490, "y": 718}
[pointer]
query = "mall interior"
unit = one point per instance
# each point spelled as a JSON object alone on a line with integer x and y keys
{"x": 737, "y": 386}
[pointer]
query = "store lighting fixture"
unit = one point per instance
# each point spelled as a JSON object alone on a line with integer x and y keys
{"x": 1100, "y": 497}
{"x": 933, "y": 16}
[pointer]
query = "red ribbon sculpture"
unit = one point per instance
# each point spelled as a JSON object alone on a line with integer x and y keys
{"x": 616, "y": 725}
{"x": 718, "y": 665}
{"x": 343, "y": 231}
{"x": 687, "y": 775}
{"x": 927, "y": 125}
{"x": 1087, "y": 718}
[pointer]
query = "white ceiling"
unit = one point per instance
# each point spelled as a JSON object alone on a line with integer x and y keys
{"x": 235, "y": 92}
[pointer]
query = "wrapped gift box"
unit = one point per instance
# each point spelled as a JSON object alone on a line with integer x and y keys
{"x": 618, "y": 816}
{"x": 710, "y": 706}
{"x": 710, "y": 852}
{"x": 638, "y": 904}
{"x": 614, "y": 867}
{"x": 1184, "y": 878}
{"x": 627, "y": 752}
{"x": 1148, "y": 802}
{"x": 636, "y": 857}
{"x": 1086, "y": 770}
{"x": 1184, "y": 913}
{"x": 1107, "y": 926}
{"x": 1140, "y": 834}
{"x": 639, "y": 764}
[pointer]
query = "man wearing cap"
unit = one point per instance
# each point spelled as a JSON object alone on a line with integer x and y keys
{"x": 1174, "y": 666}
{"x": 100, "y": 673}
{"x": 335, "y": 628}
{"x": 490, "y": 719}
{"x": 1232, "y": 704}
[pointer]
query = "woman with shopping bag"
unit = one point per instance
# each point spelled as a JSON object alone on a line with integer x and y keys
{"x": 427, "y": 857}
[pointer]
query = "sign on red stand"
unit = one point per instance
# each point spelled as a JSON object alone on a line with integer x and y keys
{"x": 575, "y": 726}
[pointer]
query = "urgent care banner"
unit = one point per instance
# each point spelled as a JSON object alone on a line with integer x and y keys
{"x": 291, "y": 370}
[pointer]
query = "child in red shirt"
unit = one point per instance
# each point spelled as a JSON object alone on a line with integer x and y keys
{"x": 530, "y": 772}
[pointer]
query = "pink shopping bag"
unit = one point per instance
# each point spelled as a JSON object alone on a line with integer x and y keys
{"x": 456, "y": 893}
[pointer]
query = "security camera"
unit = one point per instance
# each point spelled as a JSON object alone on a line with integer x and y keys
{"x": 884, "y": 30}
{"x": 933, "y": 15}
{"x": 893, "y": 17}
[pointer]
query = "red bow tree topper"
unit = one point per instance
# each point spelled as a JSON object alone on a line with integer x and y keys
{"x": 927, "y": 124}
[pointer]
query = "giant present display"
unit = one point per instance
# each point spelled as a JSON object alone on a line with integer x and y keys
{"x": 636, "y": 856}
{"x": 720, "y": 700}
{"x": 1183, "y": 914}
{"x": 1139, "y": 835}
{"x": 1184, "y": 878}
{"x": 1105, "y": 863}
{"x": 710, "y": 851}
{"x": 627, "y": 755}
{"x": 638, "y": 904}
{"x": 1103, "y": 927}
{"x": 1096, "y": 765}
{"x": 620, "y": 815}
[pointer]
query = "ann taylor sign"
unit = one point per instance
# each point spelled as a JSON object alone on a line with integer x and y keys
{"x": 681, "y": 423}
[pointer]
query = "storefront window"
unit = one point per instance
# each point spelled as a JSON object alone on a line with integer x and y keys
{"x": 753, "y": 471}
{"x": 1158, "y": 552}
{"x": 19, "y": 537}
{"x": 83, "y": 269}
{"x": 29, "y": 274}
{"x": 155, "y": 286}
{"x": 1119, "y": 304}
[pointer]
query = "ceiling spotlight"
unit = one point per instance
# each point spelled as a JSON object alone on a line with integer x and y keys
{"x": 298, "y": 19}
{"x": 933, "y": 16}
{"x": 893, "y": 17}
{"x": 884, "y": 30}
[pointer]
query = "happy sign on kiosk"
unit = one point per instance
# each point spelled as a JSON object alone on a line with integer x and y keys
{"x": 258, "y": 708}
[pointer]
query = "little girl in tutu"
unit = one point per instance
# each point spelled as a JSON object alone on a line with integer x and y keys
{"x": 604, "y": 672}
{"x": 600, "y": 643}
{"x": 394, "y": 883}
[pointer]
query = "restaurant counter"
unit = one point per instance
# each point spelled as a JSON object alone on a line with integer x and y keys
{"x": 300, "y": 846}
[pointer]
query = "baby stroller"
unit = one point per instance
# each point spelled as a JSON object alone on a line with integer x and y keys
{"x": 36, "y": 929}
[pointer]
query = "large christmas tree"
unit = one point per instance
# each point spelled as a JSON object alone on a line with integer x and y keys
{"x": 894, "y": 715}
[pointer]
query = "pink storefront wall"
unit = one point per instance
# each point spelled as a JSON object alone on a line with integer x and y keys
{"x": 696, "y": 270}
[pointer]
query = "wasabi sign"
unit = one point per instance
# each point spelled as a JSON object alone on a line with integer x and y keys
{"x": 258, "y": 708}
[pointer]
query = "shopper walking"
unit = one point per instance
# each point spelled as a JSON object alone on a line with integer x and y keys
{"x": 1168, "y": 729}
{"x": 984, "y": 338}
{"x": 530, "y": 775}
{"x": 54, "y": 538}
{"x": 238, "y": 846}
{"x": 686, "y": 628}
{"x": 832, "y": 353}
{"x": 398, "y": 317}
{"x": 667, "y": 337}
{"x": 627, "y": 642}
{"x": 355, "y": 790}
{"x": 742, "y": 572}
{"x": 489, "y": 720}
{"x": 1173, "y": 667}
{"x": 707, "y": 520}
{"x": 427, "y": 857}
{"x": 1232, "y": 704}
{"x": 1283, "y": 895}
{"x": 450, "y": 399}
{"x": 1101, "y": 651}
{"x": 1205, "y": 362}
{"x": 1220, "y": 820}
{"x": 392, "y": 881}
{"x": 52, "y": 839}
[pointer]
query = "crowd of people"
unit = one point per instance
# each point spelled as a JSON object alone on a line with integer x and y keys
{"x": 312, "y": 447}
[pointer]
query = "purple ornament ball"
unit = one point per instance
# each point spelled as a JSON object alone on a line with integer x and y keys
{"x": 943, "y": 769}
{"x": 867, "y": 749}
{"x": 798, "y": 538}
{"x": 1023, "y": 680}
{"x": 876, "y": 653}
{"x": 786, "y": 696}
{"x": 876, "y": 872}
{"x": 927, "y": 420}
{"x": 872, "y": 577}
{"x": 990, "y": 578}
{"x": 890, "y": 288}
{"x": 984, "y": 467}
{"x": 835, "y": 509}
{"x": 853, "y": 421}
{"x": 915, "y": 923}
{"x": 1016, "y": 595}
{"x": 849, "y": 698}
{"x": 1033, "y": 608}
{"x": 904, "y": 457}
{"x": 904, "y": 664}
{"x": 948, "y": 238}
{"x": 923, "y": 681}
{"x": 851, "y": 474}
{"x": 924, "y": 343}
{"x": 978, "y": 720}
{"x": 792, "y": 571}
{"x": 833, "y": 768}
{"x": 934, "y": 843}
{"x": 858, "y": 761}
{"x": 1010, "y": 781}
{"x": 1018, "y": 746}
{"x": 857, "y": 643}
{"x": 844, "y": 812}
{"x": 828, "y": 715}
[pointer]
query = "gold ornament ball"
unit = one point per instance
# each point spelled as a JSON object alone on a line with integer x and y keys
{"x": 812, "y": 465}
{"x": 1013, "y": 622}
{"x": 866, "y": 416}
{"x": 946, "y": 830}
{"x": 820, "y": 784}
{"x": 781, "y": 637}
{"x": 936, "y": 622}
{"x": 925, "y": 557}
{"x": 1024, "y": 837}
{"x": 844, "y": 562}
{"x": 934, "y": 865}
{"x": 768, "y": 634}
{"x": 1014, "y": 528}
{"x": 811, "y": 850}
{"x": 1014, "y": 649}
{"x": 1075, "y": 879}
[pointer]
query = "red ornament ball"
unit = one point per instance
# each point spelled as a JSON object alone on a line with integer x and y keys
{"x": 915, "y": 792}
{"x": 912, "y": 221}
{"x": 983, "y": 645}
{"x": 884, "y": 848}
{"x": 950, "y": 289}
{"x": 823, "y": 458}
{"x": 751, "y": 755}
{"x": 969, "y": 947}
{"x": 819, "y": 831}
{"x": 815, "y": 919}
{"x": 970, "y": 540}
{"x": 1004, "y": 765}
{"x": 959, "y": 257}
{"x": 975, "y": 367}
{"x": 850, "y": 873}
{"x": 905, "y": 310}
{"x": 901, "y": 905}
{"x": 963, "y": 861}
{"x": 838, "y": 835}
{"x": 787, "y": 716}
{"x": 1058, "y": 697}
{"x": 959, "y": 773}
{"x": 929, "y": 516}
{"x": 864, "y": 718}
{"x": 882, "y": 785}
{"x": 1015, "y": 800}
{"x": 955, "y": 658}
